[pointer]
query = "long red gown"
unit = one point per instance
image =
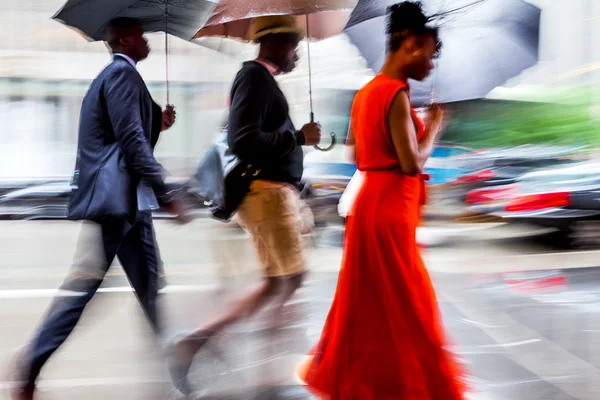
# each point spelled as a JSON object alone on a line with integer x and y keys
{"x": 383, "y": 338}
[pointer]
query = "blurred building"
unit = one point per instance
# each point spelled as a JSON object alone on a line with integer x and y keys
{"x": 45, "y": 69}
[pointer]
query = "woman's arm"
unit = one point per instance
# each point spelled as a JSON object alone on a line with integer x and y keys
{"x": 411, "y": 153}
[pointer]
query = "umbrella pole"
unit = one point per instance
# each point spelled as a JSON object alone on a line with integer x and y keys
{"x": 167, "y": 48}
{"x": 167, "y": 65}
{"x": 432, "y": 93}
{"x": 310, "y": 98}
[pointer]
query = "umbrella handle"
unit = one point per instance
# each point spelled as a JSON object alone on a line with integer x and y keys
{"x": 328, "y": 148}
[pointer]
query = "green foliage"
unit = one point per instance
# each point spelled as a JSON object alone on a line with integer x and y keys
{"x": 493, "y": 123}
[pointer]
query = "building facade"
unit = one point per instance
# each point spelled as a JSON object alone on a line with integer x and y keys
{"x": 45, "y": 69}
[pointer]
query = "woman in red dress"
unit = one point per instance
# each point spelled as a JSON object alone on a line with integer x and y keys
{"x": 383, "y": 338}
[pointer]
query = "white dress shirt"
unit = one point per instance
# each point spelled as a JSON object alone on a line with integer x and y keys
{"x": 126, "y": 57}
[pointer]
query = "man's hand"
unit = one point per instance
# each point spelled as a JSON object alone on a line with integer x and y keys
{"x": 168, "y": 117}
{"x": 177, "y": 209}
{"x": 312, "y": 133}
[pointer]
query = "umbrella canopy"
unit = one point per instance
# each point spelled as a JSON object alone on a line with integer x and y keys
{"x": 233, "y": 18}
{"x": 181, "y": 18}
{"x": 485, "y": 43}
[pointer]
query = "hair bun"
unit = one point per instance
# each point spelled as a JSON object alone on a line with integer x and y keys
{"x": 407, "y": 18}
{"x": 406, "y": 15}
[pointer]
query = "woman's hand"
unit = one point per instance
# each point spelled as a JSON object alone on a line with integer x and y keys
{"x": 436, "y": 118}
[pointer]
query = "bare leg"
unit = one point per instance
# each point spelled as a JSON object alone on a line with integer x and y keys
{"x": 22, "y": 394}
{"x": 290, "y": 286}
{"x": 245, "y": 307}
{"x": 187, "y": 346}
{"x": 281, "y": 288}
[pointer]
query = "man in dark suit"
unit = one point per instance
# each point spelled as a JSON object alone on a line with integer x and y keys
{"x": 118, "y": 183}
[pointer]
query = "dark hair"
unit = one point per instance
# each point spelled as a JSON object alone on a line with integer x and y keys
{"x": 405, "y": 19}
{"x": 118, "y": 28}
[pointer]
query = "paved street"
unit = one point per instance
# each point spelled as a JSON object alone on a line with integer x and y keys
{"x": 522, "y": 315}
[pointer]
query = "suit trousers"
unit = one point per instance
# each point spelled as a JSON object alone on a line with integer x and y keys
{"x": 98, "y": 244}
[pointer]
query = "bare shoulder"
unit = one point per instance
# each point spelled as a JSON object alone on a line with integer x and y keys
{"x": 400, "y": 107}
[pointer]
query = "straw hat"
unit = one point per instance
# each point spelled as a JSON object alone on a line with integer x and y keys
{"x": 263, "y": 26}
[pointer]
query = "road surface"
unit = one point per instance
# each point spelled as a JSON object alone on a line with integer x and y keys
{"x": 522, "y": 315}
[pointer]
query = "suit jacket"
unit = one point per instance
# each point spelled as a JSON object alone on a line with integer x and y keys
{"x": 119, "y": 126}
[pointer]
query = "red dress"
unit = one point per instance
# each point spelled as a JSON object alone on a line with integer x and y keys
{"x": 383, "y": 338}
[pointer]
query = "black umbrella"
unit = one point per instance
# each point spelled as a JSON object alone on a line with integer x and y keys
{"x": 485, "y": 43}
{"x": 181, "y": 18}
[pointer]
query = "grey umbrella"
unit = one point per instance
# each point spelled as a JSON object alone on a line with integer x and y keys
{"x": 181, "y": 18}
{"x": 485, "y": 43}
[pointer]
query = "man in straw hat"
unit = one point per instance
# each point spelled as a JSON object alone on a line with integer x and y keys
{"x": 261, "y": 132}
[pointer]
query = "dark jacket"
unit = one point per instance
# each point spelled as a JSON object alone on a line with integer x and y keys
{"x": 119, "y": 126}
{"x": 260, "y": 129}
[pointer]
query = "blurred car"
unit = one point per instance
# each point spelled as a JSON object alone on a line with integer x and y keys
{"x": 502, "y": 167}
{"x": 38, "y": 201}
{"x": 566, "y": 198}
{"x": 442, "y": 167}
{"x": 11, "y": 184}
{"x": 323, "y": 196}
{"x": 50, "y": 200}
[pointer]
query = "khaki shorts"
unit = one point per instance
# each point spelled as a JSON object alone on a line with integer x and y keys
{"x": 276, "y": 218}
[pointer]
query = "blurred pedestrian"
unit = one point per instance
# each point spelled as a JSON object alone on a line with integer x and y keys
{"x": 118, "y": 182}
{"x": 261, "y": 132}
{"x": 383, "y": 338}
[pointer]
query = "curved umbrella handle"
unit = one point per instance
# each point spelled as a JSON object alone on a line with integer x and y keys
{"x": 328, "y": 148}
